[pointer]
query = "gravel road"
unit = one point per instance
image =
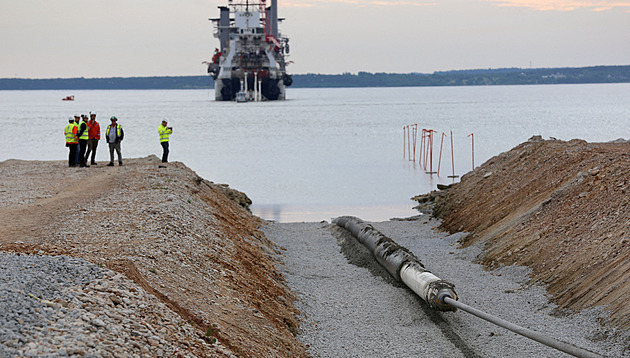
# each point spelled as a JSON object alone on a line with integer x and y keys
{"x": 351, "y": 307}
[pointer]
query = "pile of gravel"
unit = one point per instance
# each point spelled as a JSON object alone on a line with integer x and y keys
{"x": 33, "y": 292}
{"x": 61, "y": 306}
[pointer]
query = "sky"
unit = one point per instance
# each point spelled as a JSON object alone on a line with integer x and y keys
{"x": 126, "y": 38}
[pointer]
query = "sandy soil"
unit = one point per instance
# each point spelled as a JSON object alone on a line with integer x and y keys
{"x": 188, "y": 241}
{"x": 558, "y": 207}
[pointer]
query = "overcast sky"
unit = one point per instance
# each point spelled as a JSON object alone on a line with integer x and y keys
{"x": 106, "y": 38}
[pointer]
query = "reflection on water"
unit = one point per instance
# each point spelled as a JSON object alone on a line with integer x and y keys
{"x": 312, "y": 213}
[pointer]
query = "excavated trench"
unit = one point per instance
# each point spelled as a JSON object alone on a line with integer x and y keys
{"x": 351, "y": 306}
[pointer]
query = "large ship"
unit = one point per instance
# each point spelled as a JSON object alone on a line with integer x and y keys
{"x": 250, "y": 64}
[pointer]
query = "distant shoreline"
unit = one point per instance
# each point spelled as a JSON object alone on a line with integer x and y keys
{"x": 479, "y": 77}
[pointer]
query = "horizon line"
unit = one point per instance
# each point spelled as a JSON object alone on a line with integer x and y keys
{"x": 326, "y": 74}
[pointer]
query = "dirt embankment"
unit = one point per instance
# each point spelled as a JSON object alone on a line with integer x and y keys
{"x": 561, "y": 208}
{"x": 188, "y": 241}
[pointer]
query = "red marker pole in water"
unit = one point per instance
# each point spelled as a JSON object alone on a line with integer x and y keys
{"x": 404, "y": 141}
{"x": 423, "y": 137}
{"x": 452, "y": 158}
{"x": 415, "y": 140}
{"x": 429, "y": 149}
{"x": 431, "y": 152}
{"x": 408, "y": 145}
{"x": 440, "y": 160}
{"x": 472, "y": 135}
{"x": 427, "y": 136}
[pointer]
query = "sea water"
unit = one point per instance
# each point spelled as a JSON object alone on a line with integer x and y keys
{"x": 323, "y": 153}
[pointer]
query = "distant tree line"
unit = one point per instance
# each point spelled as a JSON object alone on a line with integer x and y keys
{"x": 479, "y": 77}
{"x": 164, "y": 82}
{"x": 489, "y": 77}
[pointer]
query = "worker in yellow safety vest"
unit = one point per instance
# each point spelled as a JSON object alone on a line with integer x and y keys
{"x": 83, "y": 140}
{"x": 77, "y": 123}
{"x": 114, "y": 134}
{"x": 164, "y": 132}
{"x": 71, "y": 141}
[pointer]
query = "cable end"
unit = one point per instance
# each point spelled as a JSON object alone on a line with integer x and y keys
{"x": 439, "y": 299}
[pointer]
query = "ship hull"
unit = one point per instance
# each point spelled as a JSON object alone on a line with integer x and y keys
{"x": 270, "y": 89}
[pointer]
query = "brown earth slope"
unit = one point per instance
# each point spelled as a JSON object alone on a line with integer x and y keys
{"x": 188, "y": 241}
{"x": 561, "y": 208}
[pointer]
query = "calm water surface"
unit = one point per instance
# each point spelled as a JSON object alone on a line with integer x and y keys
{"x": 323, "y": 152}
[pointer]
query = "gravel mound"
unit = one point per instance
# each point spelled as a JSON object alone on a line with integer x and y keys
{"x": 187, "y": 248}
{"x": 32, "y": 287}
{"x": 558, "y": 207}
{"x": 62, "y": 306}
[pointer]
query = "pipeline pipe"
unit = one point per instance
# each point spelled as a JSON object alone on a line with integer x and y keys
{"x": 440, "y": 295}
{"x": 401, "y": 264}
{"x": 536, "y": 336}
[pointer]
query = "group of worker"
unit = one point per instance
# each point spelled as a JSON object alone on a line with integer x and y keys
{"x": 82, "y": 136}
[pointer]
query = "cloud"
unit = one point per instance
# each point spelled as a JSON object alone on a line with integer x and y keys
{"x": 566, "y": 5}
{"x": 361, "y": 3}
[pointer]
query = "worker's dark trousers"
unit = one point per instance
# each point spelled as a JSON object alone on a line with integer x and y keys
{"x": 77, "y": 160}
{"x": 164, "y": 152}
{"x": 72, "y": 157}
{"x": 82, "y": 149}
{"x": 92, "y": 144}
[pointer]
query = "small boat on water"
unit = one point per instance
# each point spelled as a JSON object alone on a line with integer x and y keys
{"x": 252, "y": 54}
{"x": 68, "y": 98}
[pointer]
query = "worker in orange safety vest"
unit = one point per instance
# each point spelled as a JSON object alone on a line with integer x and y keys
{"x": 94, "y": 135}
